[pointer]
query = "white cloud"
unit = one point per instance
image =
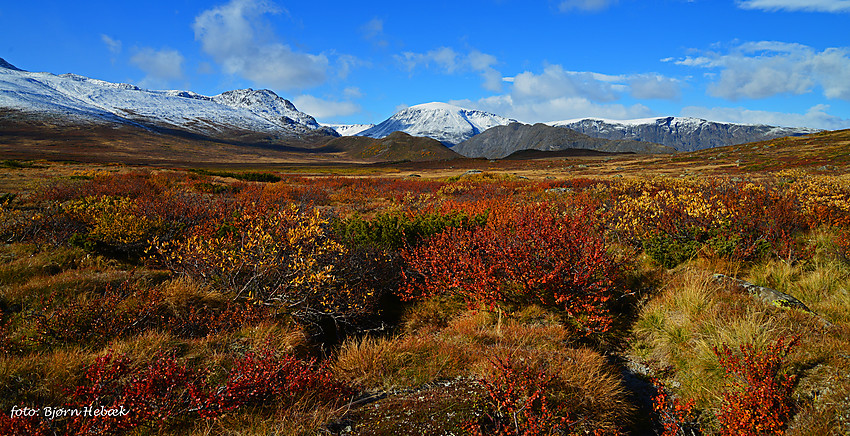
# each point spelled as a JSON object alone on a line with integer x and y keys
{"x": 797, "y": 5}
{"x": 321, "y": 108}
{"x": 654, "y": 86}
{"x": 352, "y": 92}
{"x": 159, "y": 66}
{"x": 450, "y": 61}
{"x": 113, "y": 45}
{"x": 373, "y": 28}
{"x": 585, "y": 5}
{"x": 557, "y": 94}
{"x": 767, "y": 68}
{"x": 556, "y": 82}
{"x": 239, "y": 39}
{"x": 373, "y": 31}
{"x": 816, "y": 117}
{"x": 554, "y": 109}
{"x": 444, "y": 57}
{"x": 345, "y": 63}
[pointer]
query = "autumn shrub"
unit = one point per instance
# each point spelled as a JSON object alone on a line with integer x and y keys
{"x": 285, "y": 258}
{"x": 112, "y": 225}
{"x": 674, "y": 415}
{"x": 759, "y": 400}
{"x": 150, "y": 394}
{"x": 528, "y": 399}
{"x": 519, "y": 403}
{"x": 93, "y": 319}
{"x": 161, "y": 392}
{"x": 737, "y": 220}
{"x": 263, "y": 378}
{"x": 534, "y": 256}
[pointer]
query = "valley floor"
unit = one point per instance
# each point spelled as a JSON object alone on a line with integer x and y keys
{"x": 577, "y": 295}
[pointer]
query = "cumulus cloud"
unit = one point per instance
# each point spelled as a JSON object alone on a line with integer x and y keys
{"x": 654, "y": 86}
{"x": 160, "y": 66}
{"x": 321, "y": 108}
{"x": 239, "y": 39}
{"x": 450, "y": 61}
{"x": 816, "y": 117}
{"x": 554, "y": 109}
{"x": 555, "y": 81}
{"x": 797, "y": 5}
{"x": 557, "y": 93}
{"x": 585, "y": 5}
{"x": 113, "y": 45}
{"x": 767, "y": 68}
{"x": 352, "y": 92}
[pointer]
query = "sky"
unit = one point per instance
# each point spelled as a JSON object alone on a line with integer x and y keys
{"x": 779, "y": 62}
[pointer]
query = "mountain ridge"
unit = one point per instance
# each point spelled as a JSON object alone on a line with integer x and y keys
{"x": 243, "y": 112}
{"x": 681, "y": 133}
{"x": 502, "y": 141}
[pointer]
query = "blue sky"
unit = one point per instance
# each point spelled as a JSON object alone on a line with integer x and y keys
{"x": 784, "y": 62}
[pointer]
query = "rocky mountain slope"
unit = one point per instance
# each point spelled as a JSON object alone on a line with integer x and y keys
{"x": 681, "y": 133}
{"x": 73, "y": 99}
{"x": 446, "y": 123}
{"x": 502, "y": 141}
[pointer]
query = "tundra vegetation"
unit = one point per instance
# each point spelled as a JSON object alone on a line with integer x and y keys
{"x": 226, "y": 303}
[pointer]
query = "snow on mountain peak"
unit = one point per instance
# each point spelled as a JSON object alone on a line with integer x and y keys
{"x": 446, "y": 123}
{"x": 82, "y": 98}
{"x": 349, "y": 129}
{"x": 266, "y": 104}
{"x": 681, "y": 133}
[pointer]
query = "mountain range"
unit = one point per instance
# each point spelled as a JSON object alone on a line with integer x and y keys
{"x": 681, "y": 133}
{"x": 47, "y": 106}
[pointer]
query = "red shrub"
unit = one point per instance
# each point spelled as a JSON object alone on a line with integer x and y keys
{"x": 519, "y": 404}
{"x": 264, "y": 378}
{"x": 146, "y": 395}
{"x": 760, "y": 401}
{"x": 676, "y": 417}
{"x": 531, "y": 256}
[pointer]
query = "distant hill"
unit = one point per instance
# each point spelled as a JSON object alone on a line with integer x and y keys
{"x": 397, "y": 146}
{"x": 566, "y": 153}
{"x": 502, "y": 141}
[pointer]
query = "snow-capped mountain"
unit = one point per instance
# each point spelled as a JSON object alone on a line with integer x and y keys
{"x": 446, "y": 123}
{"x": 76, "y": 98}
{"x": 681, "y": 133}
{"x": 349, "y": 129}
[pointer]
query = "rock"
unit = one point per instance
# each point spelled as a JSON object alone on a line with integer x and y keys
{"x": 769, "y": 296}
